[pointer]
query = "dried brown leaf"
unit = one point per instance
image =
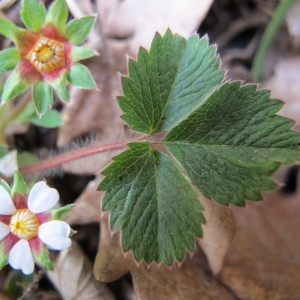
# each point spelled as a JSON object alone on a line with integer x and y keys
{"x": 293, "y": 22}
{"x": 219, "y": 231}
{"x": 188, "y": 281}
{"x": 137, "y": 21}
{"x": 73, "y": 277}
{"x": 264, "y": 259}
{"x": 285, "y": 84}
{"x": 87, "y": 207}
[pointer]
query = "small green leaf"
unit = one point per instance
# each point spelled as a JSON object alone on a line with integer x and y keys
{"x": 32, "y": 8}
{"x": 80, "y": 76}
{"x": 8, "y": 59}
{"x": 43, "y": 97}
{"x": 153, "y": 203}
{"x": 167, "y": 83}
{"x": 60, "y": 86}
{"x": 58, "y": 213}
{"x": 10, "y": 30}
{"x": 80, "y": 53}
{"x": 77, "y": 30}
{"x": 233, "y": 142}
{"x": 14, "y": 86}
{"x": 58, "y": 14}
{"x": 26, "y": 158}
{"x": 51, "y": 119}
{"x": 19, "y": 185}
{"x": 16, "y": 284}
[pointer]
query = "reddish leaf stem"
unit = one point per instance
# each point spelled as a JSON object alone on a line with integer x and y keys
{"x": 72, "y": 155}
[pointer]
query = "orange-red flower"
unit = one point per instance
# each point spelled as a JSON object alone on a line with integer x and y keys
{"x": 46, "y": 53}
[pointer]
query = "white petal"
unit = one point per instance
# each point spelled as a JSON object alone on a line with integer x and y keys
{"x": 7, "y": 206}
{"x": 8, "y": 164}
{"x": 55, "y": 234}
{"x": 42, "y": 198}
{"x": 20, "y": 257}
{"x": 4, "y": 230}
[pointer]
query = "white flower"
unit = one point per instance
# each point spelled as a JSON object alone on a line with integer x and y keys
{"x": 26, "y": 226}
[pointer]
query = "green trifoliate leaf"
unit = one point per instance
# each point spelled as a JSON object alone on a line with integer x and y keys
{"x": 14, "y": 86}
{"x": 58, "y": 14}
{"x": 60, "y": 86}
{"x": 19, "y": 185}
{"x": 80, "y": 76}
{"x": 77, "y": 30}
{"x": 233, "y": 142}
{"x": 167, "y": 83}
{"x": 8, "y": 59}
{"x": 153, "y": 203}
{"x": 33, "y": 14}
{"x": 51, "y": 119}
{"x": 10, "y": 30}
{"x": 43, "y": 97}
{"x": 80, "y": 53}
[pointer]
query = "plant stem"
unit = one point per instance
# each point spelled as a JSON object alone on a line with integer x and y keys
{"x": 14, "y": 114}
{"x": 267, "y": 38}
{"x": 72, "y": 155}
{"x": 18, "y": 109}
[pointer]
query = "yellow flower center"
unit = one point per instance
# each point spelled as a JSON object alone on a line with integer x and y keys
{"x": 24, "y": 224}
{"x": 47, "y": 55}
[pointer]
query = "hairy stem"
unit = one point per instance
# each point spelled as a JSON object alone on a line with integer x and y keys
{"x": 73, "y": 155}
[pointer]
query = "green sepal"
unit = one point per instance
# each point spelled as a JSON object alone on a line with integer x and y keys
{"x": 80, "y": 76}
{"x": 14, "y": 86}
{"x": 58, "y": 213}
{"x": 43, "y": 97}
{"x": 80, "y": 53}
{"x": 9, "y": 59}
{"x": 10, "y": 30}
{"x": 5, "y": 185}
{"x": 51, "y": 119}
{"x": 32, "y": 8}
{"x": 77, "y": 30}
{"x": 3, "y": 255}
{"x": 58, "y": 15}
{"x": 19, "y": 185}
{"x": 44, "y": 259}
{"x": 60, "y": 86}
